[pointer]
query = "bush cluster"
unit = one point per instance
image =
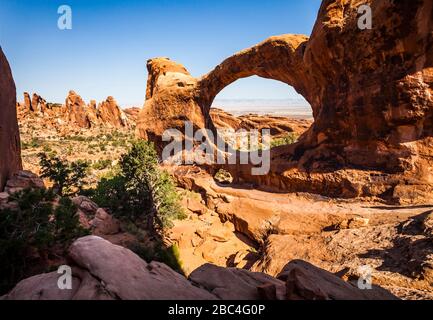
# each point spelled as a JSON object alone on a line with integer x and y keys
{"x": 35, "y": 222}
{"x": 141, "y": 190}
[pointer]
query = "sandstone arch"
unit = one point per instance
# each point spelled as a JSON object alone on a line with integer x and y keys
{"x": 263, "y": 60}
{"x": 371, "y": 92}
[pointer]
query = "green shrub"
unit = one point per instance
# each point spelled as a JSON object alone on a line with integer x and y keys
{"x": 47, "y": 148}
{"x": 288, "y": 139}
{"x": 67, "y": 177}
{"x": 33, "y": 226}
{"x": 102, "y": 164}
{"x": 33, "y": 143}
{"x": 223, "y": 176}
{"x": 141, "y": 190}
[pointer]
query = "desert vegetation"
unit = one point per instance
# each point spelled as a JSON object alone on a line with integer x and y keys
{"x": 138, "y": 189}
{"x": 35, "y": 226}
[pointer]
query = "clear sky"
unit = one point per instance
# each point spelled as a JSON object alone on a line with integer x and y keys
{"x": 105, "y": 53}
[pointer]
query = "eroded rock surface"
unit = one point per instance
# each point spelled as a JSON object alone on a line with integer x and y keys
{"x": 278, "y": 126}
{"x": 337, "y": 235}
{"x": 10, "y": 149}
{"x": 75, "y": 113}
{"x": 103, "y": 271}
{"x": 370, "y": 91}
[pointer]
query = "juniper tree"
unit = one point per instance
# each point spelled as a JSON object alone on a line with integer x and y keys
{"x": 141, "y": 189}
{"x": 67, "y": 177}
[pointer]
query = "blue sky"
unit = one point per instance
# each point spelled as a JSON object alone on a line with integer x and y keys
{"x": 106, "y": 51}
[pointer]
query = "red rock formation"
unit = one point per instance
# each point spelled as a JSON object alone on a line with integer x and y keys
{"x": 110, "y": 113}
{"x": 170, "y": 100}
{"x": 77, "y": 110}
{"x": 10, "y": 150}
{"x": 27, "y": 101}
{"x": 96, "y": 264}
{"x": 76, "y": 113}
{"x": 370, "y": 91}
{"x": 132, "y": 114}
{"x": 38, "y": 103}
{"x": 278, "y": 125}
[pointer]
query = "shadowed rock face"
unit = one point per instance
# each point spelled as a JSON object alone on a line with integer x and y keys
{"x": 10, "y": 151}
{"x": 370, "y": 91}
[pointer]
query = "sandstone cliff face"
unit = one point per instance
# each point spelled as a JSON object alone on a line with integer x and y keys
{"x": 10, "y": 154}
{"x": 370, "y": 90}
{"x": 170, "y": 101}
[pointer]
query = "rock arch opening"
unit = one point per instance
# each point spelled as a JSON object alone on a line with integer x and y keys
{"x": 256, "y": 103}
{"x": 256, "y": 95}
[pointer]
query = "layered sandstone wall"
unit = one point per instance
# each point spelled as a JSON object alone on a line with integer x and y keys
{"x": 10, "y": 150}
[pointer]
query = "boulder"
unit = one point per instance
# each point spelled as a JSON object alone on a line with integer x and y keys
{"x": 24, "y": 180}
{"x": 86, "y": 205}
{"x": 104, "y": 223}
{"x": 234, "y": 284}
{"x": 103, "y": 271}
{"x": 307, "y": 282}
{"x": 127, "y": 276}
{"x": 94, "y": 218}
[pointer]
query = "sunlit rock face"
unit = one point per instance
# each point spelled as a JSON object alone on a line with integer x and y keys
{"x": 76, "y": 113}
{"x": 370, "y": 91}
{"x": 10, "y": 151}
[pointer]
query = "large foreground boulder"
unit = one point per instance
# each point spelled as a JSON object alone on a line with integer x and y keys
{"x": 102, "y": 270}
{"x": 307, "y": 282}
{"x": 235, "y": 284}
{"x": 10, "y": 145}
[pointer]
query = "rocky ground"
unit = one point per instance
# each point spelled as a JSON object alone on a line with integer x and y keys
{"x": 352, "y": 197}
{"x": 235, "y": 225}
{"x": 100, "y": 147}
{"x": 100, "y": 135}
{"x": 248, "y": 244}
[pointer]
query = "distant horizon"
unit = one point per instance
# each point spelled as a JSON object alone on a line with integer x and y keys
{"x": 105, "y": 52}
{"x": 228, "y": 102}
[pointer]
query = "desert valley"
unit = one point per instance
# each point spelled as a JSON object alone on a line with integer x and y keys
{"x": 344, "y": 212}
